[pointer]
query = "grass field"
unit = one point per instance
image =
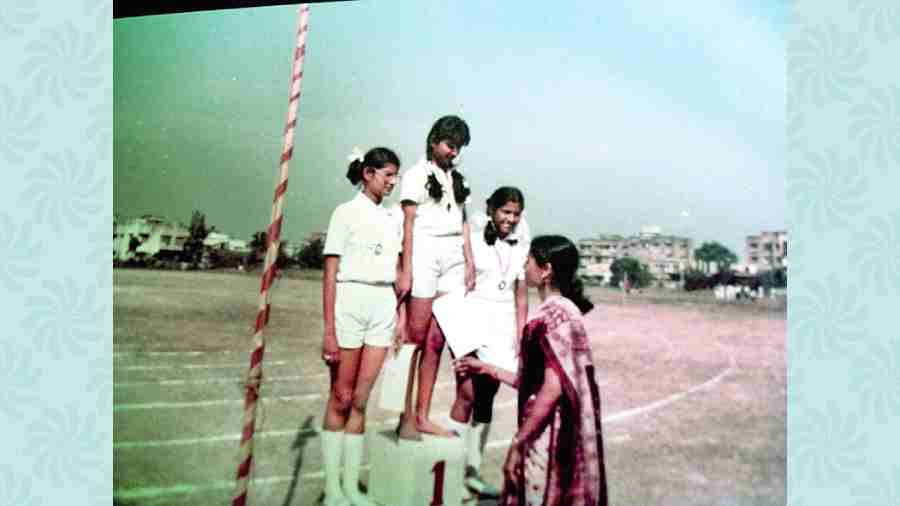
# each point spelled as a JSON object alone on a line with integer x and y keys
{"x": 693, "y": 393}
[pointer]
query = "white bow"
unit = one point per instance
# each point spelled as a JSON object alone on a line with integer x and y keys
{"x": 356, "y": 154}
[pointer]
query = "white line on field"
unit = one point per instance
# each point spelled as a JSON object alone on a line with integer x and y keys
{"x": 653, "y": 406}
{"x": 190, "y": 488}
{"x": 204, "y": 381}
{"x": 194, "y": 366}
{"x": 216, "y": 402}
{"x": 139, "y": 353}
{"x": 125, "y": 445}
{"x": 615, "y": 417}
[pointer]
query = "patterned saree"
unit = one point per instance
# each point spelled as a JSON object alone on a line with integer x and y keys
{"x": 563, "y": 466}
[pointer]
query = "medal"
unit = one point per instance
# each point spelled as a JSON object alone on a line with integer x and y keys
{"x": 505, "y": 271}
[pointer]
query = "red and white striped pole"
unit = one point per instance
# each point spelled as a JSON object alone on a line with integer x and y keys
{"x": 254, "y": 376}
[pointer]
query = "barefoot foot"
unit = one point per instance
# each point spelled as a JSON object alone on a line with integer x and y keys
{"x": 426, "y": 426}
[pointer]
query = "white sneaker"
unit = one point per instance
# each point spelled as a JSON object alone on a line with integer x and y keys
{"x": 483, "y": 488}
{"x": 335, "y": 500}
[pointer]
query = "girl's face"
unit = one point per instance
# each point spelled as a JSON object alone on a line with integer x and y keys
{"x": 443, "y": 153}
{"x": 506, "y": 218}
{"x": 534, "y": 273}
{"x": 380, "y": 182}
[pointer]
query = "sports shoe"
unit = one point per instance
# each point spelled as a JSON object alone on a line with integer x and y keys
{"x": 483, "y": 488}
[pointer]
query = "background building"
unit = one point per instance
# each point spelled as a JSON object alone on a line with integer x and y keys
{"x": 767, "y": 251}
{"x": 664, "y": 255}
{"x": 147, "y": 236}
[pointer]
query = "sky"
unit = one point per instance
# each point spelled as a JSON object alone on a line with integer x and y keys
{"x": 608, "y": 117}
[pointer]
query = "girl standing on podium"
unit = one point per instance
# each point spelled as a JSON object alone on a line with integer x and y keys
{"x": 362, "y": 251}
{"x": 487, "y": 322}
{"x": 556, "y": 455}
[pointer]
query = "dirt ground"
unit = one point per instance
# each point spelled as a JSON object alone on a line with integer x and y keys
{"x": 693, "y": 393}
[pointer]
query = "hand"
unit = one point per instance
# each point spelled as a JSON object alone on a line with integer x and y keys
{"x": 399, "y": 339}
{"x": 513, "y": 459}
{"x": 331, "y": 353}
{"x": 470, "y": 277}
{"x": 467, "y": 366}
{"x": 403, "y": 285}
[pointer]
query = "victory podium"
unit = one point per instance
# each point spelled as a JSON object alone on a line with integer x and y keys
{"x": 429, "y": 472}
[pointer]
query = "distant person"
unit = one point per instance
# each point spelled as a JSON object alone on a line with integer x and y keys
{"x": 487, "y": 323}
{"x": 362, "y": 252}
{"x": 437, "y": 258}
{"x": 556, "y": 456}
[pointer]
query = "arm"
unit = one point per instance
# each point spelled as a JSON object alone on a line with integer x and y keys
{"x": 400, "y": 329}
{"x": 471, "y": 365}
{"x": 404, "y": 277}
{"x": 329, "y": 287}
{"x": 537, "y": 419}
{"x": 521, "y": 308}
{"x": 467, "y": 253}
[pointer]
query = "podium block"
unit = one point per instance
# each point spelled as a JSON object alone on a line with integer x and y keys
{"x": 416, "y": 473}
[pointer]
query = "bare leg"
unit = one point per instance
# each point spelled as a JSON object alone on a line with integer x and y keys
{"x": 428, "y": 372}
{"x": 418, "y": 317}
{"x": 343, "y": 380}
{"x": 406, "y": 426}
{"x": 465, "y": 397}
{"x": 369, "y": 367}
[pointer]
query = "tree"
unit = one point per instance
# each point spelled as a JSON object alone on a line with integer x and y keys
{"x": 310, "y": 255}
{"x": 258, "y": 246}
{"x": 694, "y": 279}
{"x": 710, "y": 252}
{"x": 192, "y": 251}
{"x": 638, "y": 274}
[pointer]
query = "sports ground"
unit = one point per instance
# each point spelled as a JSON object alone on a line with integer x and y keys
{"x": 693, "y": 394}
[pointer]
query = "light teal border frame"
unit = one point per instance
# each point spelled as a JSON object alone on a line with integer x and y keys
{"x": 843, "y": 144}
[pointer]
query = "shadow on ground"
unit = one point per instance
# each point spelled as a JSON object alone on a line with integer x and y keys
{"x": 304, "y": 434}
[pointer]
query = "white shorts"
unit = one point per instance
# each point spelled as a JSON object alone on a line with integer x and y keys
{"x": 438, "y": 265}
{"x": 364, "y": 314}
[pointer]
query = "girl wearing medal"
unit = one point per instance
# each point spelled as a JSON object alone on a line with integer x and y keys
{"x": 361, "y": 252}
{"x": 487, "y": 322}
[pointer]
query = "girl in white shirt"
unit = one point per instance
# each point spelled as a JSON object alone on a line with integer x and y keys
{"x": 361, "y": 252}
{"x": 437, "y": 259}
{"x": 487, "y": 322}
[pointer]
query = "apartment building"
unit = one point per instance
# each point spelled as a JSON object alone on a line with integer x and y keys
{"x": 767, "y": 250}
{"x": 146, "y": 236}
{"x": 664, "y": 255}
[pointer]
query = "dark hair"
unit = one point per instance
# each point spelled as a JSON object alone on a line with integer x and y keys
{"x": 460, "y": 191}
{"x": 447, "y": 128}
{"x": 498, "y": 199}
{"x": 375, "y": 158}
{"x": 563, "y": 256}
{"x": 454, "y": 129}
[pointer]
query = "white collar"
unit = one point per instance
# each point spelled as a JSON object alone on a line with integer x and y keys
{"x": 363, "y": 196}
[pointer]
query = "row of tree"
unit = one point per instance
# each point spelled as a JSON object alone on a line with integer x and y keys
{"x": 709, "y": 253}
{"x": 195, "y": 254}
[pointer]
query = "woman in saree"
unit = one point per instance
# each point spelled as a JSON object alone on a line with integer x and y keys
{"x": 556, "y": 456}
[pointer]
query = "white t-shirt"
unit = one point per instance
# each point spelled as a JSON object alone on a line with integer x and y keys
{"x": 432, "y": 218}
{"x": 497, "y": 266}
{"x": 367, "y": 238}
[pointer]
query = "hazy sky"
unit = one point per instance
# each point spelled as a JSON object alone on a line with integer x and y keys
{"x": 608, "y": 115}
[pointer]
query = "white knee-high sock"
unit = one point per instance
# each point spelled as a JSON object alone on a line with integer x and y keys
{"x": 475, "y": 445}
{"x": 332, "y": 449}
{"x": 353, "y": 453}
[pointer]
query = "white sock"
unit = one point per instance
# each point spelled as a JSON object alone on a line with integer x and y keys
{"x": 475, "y": 445}
{"x": 332, "y": 448}
{"x": 353, "y": 453}
{"x": 461, "y": 428}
